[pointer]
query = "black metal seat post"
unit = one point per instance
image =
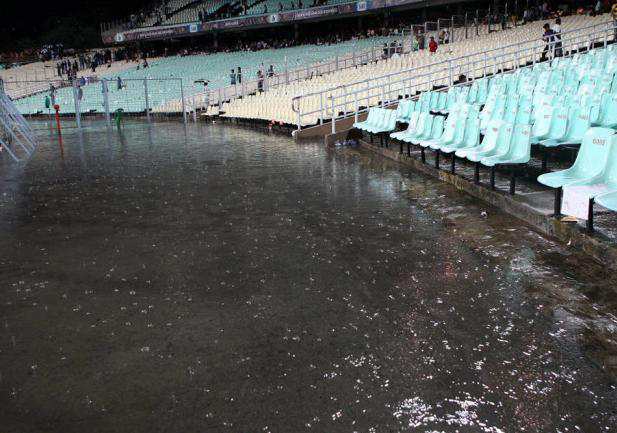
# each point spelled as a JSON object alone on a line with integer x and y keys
{"x": 437, "y": 153}
{"x": 493, "y": 177}
{"x": 512, "y": 180}
{"x": 453, "y": 164}
{"x": 476, "y": 174}
{"x": 557, "y": 204}
{"x": 590, "y": 215}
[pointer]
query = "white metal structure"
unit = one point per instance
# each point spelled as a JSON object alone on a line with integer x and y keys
{"x": 16, "y": 137}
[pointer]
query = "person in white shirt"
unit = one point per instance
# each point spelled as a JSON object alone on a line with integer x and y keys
{"x": 557, "y": 38}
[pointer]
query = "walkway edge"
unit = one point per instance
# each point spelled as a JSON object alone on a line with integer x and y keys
{"x": 601, "y": 250}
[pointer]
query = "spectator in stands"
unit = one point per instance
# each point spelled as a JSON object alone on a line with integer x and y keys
{"x": 270, "y": 72}
{"x": 614, "y": 14}
{"x": 547, "y": 37}
{"x": 557, "y": 38}
{"x": 280, "y": 6}
{"x": 260, "y": 81}
{"x": 119, "y": 83}
{"x": 415, "y": 45}
{"x": 265, "y": 8}
{"x": 432, "y": 45}
{"x": 446, "y": 36}
{"x": 239, "y": 76}
{"x": 385, "y": 51}
{"x": 232, "y": 77}
{"x": 299, "y": 4}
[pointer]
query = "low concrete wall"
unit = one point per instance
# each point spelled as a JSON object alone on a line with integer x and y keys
{"x": 596, "y": 246}
{"x": 324, "y": 130}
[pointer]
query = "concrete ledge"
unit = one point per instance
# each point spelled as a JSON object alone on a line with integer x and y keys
{"x": 595, "y": 245}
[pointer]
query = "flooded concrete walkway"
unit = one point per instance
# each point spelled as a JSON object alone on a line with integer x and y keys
{"x": 219, "y": 279}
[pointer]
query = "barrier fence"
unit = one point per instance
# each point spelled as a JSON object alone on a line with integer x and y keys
{"x": 357, "y": 97}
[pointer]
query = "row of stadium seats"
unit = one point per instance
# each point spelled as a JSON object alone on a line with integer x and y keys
{"x": 467, "y": 51}
{"x": 571, "y": 102}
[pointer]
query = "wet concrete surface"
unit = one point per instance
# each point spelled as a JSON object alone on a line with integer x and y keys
{"x": 214, "y": 278}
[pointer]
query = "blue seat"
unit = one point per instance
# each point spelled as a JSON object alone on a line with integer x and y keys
{"x": 590, "y": 161}
{"x": 467, "y": 136}
{"x": 488, "y": 142}
{"x": 583, "y": 191}
{"x": 493, "y": 148}
{"x": 578, "y": 124}
{"x": 425, "y": 121}
{"x": 411, "y": 127}
{"x": 432, "y": 130}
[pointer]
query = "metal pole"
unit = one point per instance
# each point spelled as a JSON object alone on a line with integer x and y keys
{"x": 106, "y": 103}
{"x": 147, "y": 102}
{"x": 183, "y": 104}
{"x": 76, "y": 101}
{"x": 286, "y": 72}
{"x": 333, "y": 116}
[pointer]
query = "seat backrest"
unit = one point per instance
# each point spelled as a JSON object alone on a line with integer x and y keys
{"x": 421, "y": 124}
{"x": 559, "y": 123}
{"x": 510, "y": 116}
{"x": 593, "y": 153}
{"x": 411, "y": 107}
{"x": 443, "y": 100}
{"x": 610, "y": 169}
{"x": 543, "y": 122}
{"x": 471, "y": 137}
{"x": 523, "y": 115}
{"x": 401, "y": 109}
{"x": 391, "y": 123}
{"x": 491, "y": 134}
{"x": 428, "y": 125}
{"x": 449, "y": 129}
{"x": 370, "y": 118}
{"x": 578, "y": 123}
{"x": 437, "y": 127}
{"x": 413, "y": 121}
{"x": 504, "y": 138}
{"x": 520, "y": 147}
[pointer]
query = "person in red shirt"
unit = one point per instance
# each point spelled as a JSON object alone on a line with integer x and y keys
{"x": 432, "y": 46}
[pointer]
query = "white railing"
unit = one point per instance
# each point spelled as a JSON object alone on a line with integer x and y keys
{"x": 356, "y": 97}
{"x": 16, "y": 136}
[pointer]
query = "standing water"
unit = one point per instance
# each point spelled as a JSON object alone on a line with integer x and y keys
{"x": 214, "y": 278}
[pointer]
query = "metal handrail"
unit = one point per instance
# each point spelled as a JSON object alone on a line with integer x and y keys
{"x": 412, "y": 73}
{"x": 333, "y": 64}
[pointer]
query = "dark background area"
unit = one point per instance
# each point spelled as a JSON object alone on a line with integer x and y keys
{"x": 71, "y": 22}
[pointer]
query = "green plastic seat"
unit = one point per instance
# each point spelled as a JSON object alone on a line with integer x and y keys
{"x": 488, "y": 142}
{"x": 448, "y": 133}
{"x": 542, "y": 125}
{"x": 606, "y": 179}
{"x": 578, "y": 124}
{"x": 501, "y": 145}
{"x": 432, "y": 131}
{"x": 388, "y": 124}
{"x": 519, "y": 151}
{"x": 608, "y": 200}
{"x": 370, "y": 119}
{"x": 589, "y": 162}
{"x": 379, "y": 122}
{"x": 470, "y": 137}
{"x": 425, "y": 122}
{"x": 411, "y": 127}
{"x": 605, "y": 182}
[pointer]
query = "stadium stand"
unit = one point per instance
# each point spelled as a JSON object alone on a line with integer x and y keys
{"x": 164, "y": 98}
{"x": 276, "y": 105}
